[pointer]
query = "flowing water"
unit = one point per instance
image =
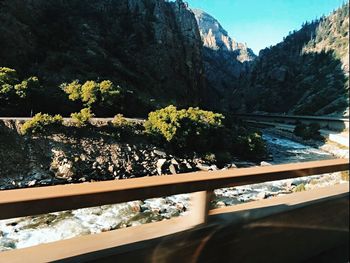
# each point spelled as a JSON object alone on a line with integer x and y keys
{"x": 29, "y": 231}
{"x": 287, "y": 151}
{"x": 283, "y": 151}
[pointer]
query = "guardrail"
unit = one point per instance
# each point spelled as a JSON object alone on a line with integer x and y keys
{"x": 33, "y": 201}
{"x": 328, "y": 118}
{"x": 333, "y": 123}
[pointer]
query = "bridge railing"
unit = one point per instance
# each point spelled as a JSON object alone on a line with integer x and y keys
{"x": 34, "y": 201}
{"x": 331, "y": 123}
{"x": 308, "y": 117}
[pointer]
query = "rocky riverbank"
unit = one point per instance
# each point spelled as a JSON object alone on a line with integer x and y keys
{"x": 73, "y": 155}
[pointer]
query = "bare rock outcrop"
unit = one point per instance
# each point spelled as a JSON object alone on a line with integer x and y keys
{"x": 226, "y": 62}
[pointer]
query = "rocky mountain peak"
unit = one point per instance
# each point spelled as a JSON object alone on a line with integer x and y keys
{"x": 215, "y": 37}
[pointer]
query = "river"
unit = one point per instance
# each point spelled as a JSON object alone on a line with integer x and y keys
{"x": 30, "y": 231}
{"x": 287, "y": 151}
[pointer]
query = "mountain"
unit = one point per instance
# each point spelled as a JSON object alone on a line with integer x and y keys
{"x": 226, "y": 62}
{"x": 160, "y": 53}
{"x": 216, "y": 38}
{"x": 151, "y": 48}
{"x": 307, "y": 73}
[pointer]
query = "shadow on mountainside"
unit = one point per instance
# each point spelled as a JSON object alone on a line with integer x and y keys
{"x": 143, "y": 46}
{"x": 317, "y": 85}
{"x": 225, "y": 74}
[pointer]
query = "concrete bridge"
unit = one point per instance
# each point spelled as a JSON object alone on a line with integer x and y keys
{"x": 301, "y": 227}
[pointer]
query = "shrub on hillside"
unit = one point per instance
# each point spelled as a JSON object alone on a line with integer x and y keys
{"x": 119, "y": 121}
{"x": 40, "y": 123}
{"x": 82, "y": 118}
{"x": 307, "y": 132}
{"x": 192, "y": 129}
{"x": 124, "y": 127}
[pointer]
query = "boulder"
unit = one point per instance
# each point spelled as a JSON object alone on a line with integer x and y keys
{"x": 161, "y": 166}
{"x": 173, "y": 168}
{"x": 160, "y": 153}
{"x": 263, "y": 163}
{"x": 203, "y": 167}
{"x": 261, "y": 195}
{"x": 65, "y": 171}
{"x": 220, "y": 204}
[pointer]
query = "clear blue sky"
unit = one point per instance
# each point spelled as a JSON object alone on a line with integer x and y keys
{"x": 261, "y": 23}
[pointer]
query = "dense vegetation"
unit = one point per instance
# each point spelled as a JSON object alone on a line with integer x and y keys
{"x": 204, "y": 132}
{"x": 41, "y": 123}
{"x": 102, "y": 97}
{"x": 307, "y": 73}
{"x": 191, "y": 129}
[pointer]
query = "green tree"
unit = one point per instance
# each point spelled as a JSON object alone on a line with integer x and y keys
{"x": 73, "y": 89}
{"x": 93, "y": 94}
{"x": 8, "y": 76}
{"x": 12, "y": 89}
{"x": 89, "y": 93}
{"x": 26, "y": 86}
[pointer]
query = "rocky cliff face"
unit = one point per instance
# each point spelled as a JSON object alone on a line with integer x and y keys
{"x": 215, "y": 37}
{"x": 226, "y": 61}
{"x": 152, "y": 48}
